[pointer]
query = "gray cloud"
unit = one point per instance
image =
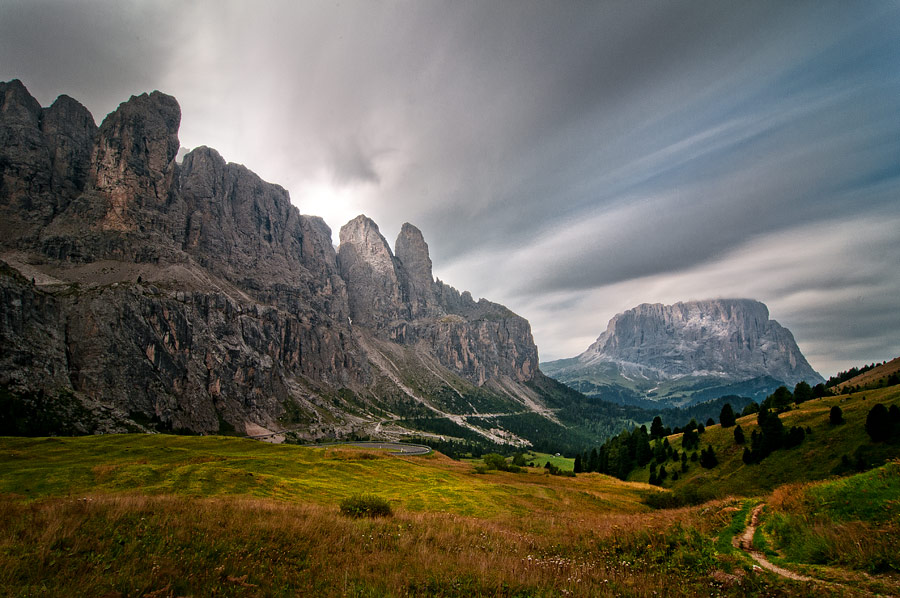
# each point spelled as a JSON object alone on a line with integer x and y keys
{"x": 570, "y": 160}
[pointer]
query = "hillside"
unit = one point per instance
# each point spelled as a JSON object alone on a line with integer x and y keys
{"x": 878, "y": 376}
{"x": 130, "y": 515}
{"x": 143, "y": 293}
{"x": 824, "y": 452}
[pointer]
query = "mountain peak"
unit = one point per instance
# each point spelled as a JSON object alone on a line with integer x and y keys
{"x": 367, "y": 265}
{"x": 418, "y": 283}
{"x": 729, "y": 338}
{"x": 693, "y": 345}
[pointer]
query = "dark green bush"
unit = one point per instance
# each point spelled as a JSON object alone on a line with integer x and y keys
{"x": 365, "y": 505}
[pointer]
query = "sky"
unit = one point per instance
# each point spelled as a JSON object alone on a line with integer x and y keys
{"x": 569, "y": 159}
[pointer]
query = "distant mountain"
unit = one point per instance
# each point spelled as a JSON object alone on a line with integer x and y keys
{"x": 138, "y": 292}
{"x": 687, "y": 353}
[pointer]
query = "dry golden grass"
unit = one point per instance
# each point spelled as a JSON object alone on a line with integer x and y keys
{"x": 872, "y": 376}
{"x": 133, "y": 545}
{"x": 176, "y": 516}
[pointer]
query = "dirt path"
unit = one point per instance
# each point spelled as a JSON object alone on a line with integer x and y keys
{"x": 744, "y": 541}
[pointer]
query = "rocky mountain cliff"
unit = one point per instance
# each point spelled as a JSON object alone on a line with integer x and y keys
{"x": 699, "y": 347}
{"x": 142, "y": 293}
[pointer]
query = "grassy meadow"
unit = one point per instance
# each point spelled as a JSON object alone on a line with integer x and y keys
{"x": 818, "y": 457}
{"x": 157, "y": 515}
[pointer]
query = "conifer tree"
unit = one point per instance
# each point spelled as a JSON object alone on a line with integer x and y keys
{"x": 802, "y": 392}
{"x": 878, "y": 423}
{"x": 726, "y": 416}
{"x": 594, "y": 461}
{"x": 836, "y": 416}
{"x": 708, "y": 458}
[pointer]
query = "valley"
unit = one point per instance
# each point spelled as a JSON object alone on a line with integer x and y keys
{"x": 244, "y": 518}
{"x": 165, "y": 312}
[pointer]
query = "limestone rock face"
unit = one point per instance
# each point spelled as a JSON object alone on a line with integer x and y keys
{"x": 417, "y": 282}
{"x": 368, "y": 267}
{"x": 399, "y": 299}
{"x": 134, "y": 160}
{"x": 697, "y": 350}
{"x": 71, "y": 133}
{"x": 732, "y": 338}
{"x": 44, "y": 159}
{"x": 140, "y": 293}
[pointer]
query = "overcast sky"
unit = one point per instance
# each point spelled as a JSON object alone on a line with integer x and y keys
{"x": 569, "y": 159}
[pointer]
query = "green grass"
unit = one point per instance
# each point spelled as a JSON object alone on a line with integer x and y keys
{"x": 221, "y": 466}
{"x": 138, "y": 515}
{"x": 738, "y": 522}
{"x": 853, "y": 522}
{"x": 540, "y": 459}
{"x": 820, "y": 453}
{"x": 873, "y": 496}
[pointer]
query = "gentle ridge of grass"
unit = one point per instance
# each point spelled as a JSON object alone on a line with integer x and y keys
{"x": 215, "y": 466}
{"x": 820, "y": 453}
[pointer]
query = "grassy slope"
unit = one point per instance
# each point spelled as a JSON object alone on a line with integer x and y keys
{"x": 168, "y": 515}
{"x": 842, "y": 530}
{"x": 216, "y": 466}
{"x": 815, "y": 459}
{"x": 872, "y": 376}
{"x": 139, "y": 515}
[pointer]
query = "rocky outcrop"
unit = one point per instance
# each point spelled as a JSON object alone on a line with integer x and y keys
{"x": 396, "y": 296}
{"x": 369, "y": 269}
{"x": 133, "y": 164}
{"x": 45, "y": 156}
{"x": 416, "y": 279}
{"x": 723, "y": 340}
{"x": 732, "y": 338}
{"x": 195, "y": 296}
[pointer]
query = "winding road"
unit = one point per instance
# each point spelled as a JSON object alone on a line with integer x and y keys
{"x": 394, "y": 448}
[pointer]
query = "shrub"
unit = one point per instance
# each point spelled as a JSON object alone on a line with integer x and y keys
{"x": 794, "y": 437}
{"x": 365, "y": 505}
{"x": 878, "y": 424}
{"x": 708, "y": 458}
{"x": 836, "y": 416}
{"x": 726, "y": 416}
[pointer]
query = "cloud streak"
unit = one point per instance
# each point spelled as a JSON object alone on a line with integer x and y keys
{"x": 570, "y": 161}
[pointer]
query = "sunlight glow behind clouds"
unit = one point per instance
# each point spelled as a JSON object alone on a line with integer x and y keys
{"x": 570, "y": 161}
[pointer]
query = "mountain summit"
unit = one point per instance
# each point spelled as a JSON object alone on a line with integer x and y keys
{"x": 140, "y": 293}
{"x": 673, "y": 352}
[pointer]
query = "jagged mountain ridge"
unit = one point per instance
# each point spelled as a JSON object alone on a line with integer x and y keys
{"x": 673, "y": 352}
{"x": 195, "y": 296}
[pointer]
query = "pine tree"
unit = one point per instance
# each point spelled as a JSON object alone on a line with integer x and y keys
{"x": 747, "y": 458}
{"x": 726, "y": 416}
{"x": 642, "y": 453}
{"x": 794, "y": 437}
{"x": 708, "y": 458}
{"x": 878, "y": 423}
{"x": 802, "y": 392}
{"x": 577, "y": 467}
{"x": 836, "y": 416}
{"x": 739, "y": 435}
{"x": 594, "y": 461}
